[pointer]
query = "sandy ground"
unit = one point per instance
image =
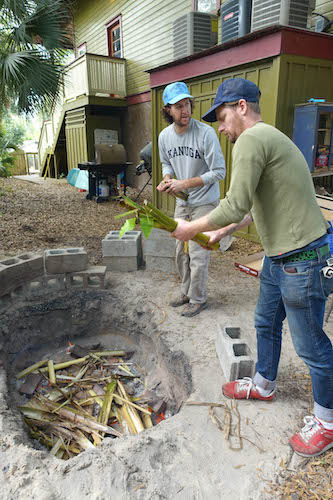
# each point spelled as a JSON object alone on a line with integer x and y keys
{"x": 186, "y": 457}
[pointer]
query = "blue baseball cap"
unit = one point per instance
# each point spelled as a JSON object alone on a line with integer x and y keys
{"x": 175, "y": 92}
{"x": 232, "y": 90}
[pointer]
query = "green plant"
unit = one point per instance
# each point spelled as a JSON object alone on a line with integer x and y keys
{"x": 10, "y": 139}
{"x": 34, "y": 40}
{"x": 149, "y": 216}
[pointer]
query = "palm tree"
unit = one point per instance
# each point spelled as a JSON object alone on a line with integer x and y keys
{"x": 35, "y": 36}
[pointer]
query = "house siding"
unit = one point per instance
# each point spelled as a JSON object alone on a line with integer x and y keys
{"x": 325, "y": 7}
{"x": 146, "y": 33}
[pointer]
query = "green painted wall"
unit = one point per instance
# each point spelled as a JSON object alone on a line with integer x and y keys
{"x": 146, "y": 29}
{"x": 301, "y": 78}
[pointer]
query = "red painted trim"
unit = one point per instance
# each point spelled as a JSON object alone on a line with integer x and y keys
{"x": 138, "y": 98}
{"x": 253, "y": 50}
{"x": 309, "y": 44}
{"x": 267, "y": 43}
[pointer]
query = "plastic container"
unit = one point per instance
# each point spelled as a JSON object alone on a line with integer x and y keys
{"x": 103, "y": 189}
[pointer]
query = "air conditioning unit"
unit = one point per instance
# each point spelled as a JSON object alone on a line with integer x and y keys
{"x": 193, "y": 32}
{"x": 296, "y": 13}
{"x": 235, "y": 19}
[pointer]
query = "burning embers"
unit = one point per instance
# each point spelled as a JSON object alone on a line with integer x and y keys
{"x": 70, "y": 405}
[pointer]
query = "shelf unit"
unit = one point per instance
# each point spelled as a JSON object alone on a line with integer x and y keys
{"x": 313, "y": 134}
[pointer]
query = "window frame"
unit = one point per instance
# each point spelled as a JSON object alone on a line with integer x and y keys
{"x": 214, "y": 11}
{"x": 81, "y": 46}
{"x": 116, "y": 21}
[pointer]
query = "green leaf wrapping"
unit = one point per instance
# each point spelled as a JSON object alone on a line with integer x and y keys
{"x": 128, "y": 226}
{"x": 146, "y": 225}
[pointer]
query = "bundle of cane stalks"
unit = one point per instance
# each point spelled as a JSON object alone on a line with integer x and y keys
{"x": 149, "y": 216}
{"x": 74, "y": 404}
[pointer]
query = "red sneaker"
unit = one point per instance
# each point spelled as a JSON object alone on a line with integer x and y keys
{"x": 312, "y": 440}
{"x": 244, "y": 389}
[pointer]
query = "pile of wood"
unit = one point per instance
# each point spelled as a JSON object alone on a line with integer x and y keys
{"x": 70, "y": 406}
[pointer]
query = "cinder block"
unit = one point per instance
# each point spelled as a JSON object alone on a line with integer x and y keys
{"x": 121, "y": 264}
{"x": 93, "y": 277}
{"x": 45, "y": 285}
{"x": 129, "y": 245}
{"x": 234, "y": 354}
{"x": 166, "y": 264}
{"x": 65, "y": 260}
{"x": 16, "y": 270}
{"x": 124, "y": 254}
{"x": 159, "y": 244}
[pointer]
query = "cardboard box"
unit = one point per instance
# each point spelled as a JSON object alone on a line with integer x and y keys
{"x": 251, "y": 264}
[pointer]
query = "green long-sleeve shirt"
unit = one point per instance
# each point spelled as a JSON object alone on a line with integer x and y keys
{"x": 270, "y": 179}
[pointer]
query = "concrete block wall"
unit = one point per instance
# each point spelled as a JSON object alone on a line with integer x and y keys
{"x": 29, "y": 275}
{"x": 159, "y": 251}
{"x": 124, "y": 254}
{"x": 234, "y": 354}
{"x": 16, "y": 270}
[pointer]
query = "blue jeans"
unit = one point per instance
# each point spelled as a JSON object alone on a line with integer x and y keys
{"x": 300, "y": 296}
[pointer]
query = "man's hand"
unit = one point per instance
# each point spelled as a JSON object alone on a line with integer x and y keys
{"x": 173, "y": 186}
{"x": 162, "y": 186}
{"x": 184, "y": 230}
{"x": 217, "y": 235}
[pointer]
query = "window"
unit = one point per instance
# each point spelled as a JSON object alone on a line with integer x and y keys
{"x": 82, "y": 49}
{"x": 208, "y": 6}
{"x": 113, "y": 30}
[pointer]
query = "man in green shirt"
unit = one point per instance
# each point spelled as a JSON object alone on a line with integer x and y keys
{"x": 271, "y": 185}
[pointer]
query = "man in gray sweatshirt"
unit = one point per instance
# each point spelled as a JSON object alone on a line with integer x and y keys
{"x": 189, "y": 150}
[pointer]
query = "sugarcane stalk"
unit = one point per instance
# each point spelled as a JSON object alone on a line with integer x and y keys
{"x": 123, "y": 411}
{"x": 170, "y": 225}
{"x": 132, "y": 411}
{"x": 31, "y": 368}
{"x": 143, "y": 410}
{"x": 50, "y": 366}
{"x": 107, "y": 403}
{"x": 147, "y": 421}
{"x": 160, "y": 217}
{"x": 66, "y": 364}
{"x": 54, "y": 450}
{"x": 82, "y": 441}
{"x": 97, "y": 398}
{"x": 71, "y": 415}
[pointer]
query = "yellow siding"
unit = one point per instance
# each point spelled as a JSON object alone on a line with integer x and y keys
{"x": 325, "y": 7}
{"x": 146, "y": 33}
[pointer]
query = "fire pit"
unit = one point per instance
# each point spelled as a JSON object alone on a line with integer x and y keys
{"x": 114, "y": 377}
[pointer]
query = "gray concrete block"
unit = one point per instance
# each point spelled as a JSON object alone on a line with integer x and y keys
{"x": 129, "y": 245}
{"x": 93, "y": 277}
{"x": 121, "y": 264}
{"x": 166, "y": 264}
{"x": 16, "y": 270}
{"x": 45, "y": 285}
{"x": 234, "y": 354}
{"x": 65, "y": 260}
{"x": 159, "y": 244}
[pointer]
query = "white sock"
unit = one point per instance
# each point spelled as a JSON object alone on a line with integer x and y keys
{"x": 326, "y": 425}
{"x": 264, "y": 392}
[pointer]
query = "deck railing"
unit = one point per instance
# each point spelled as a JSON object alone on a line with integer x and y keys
{"x": 90, "y": 75}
